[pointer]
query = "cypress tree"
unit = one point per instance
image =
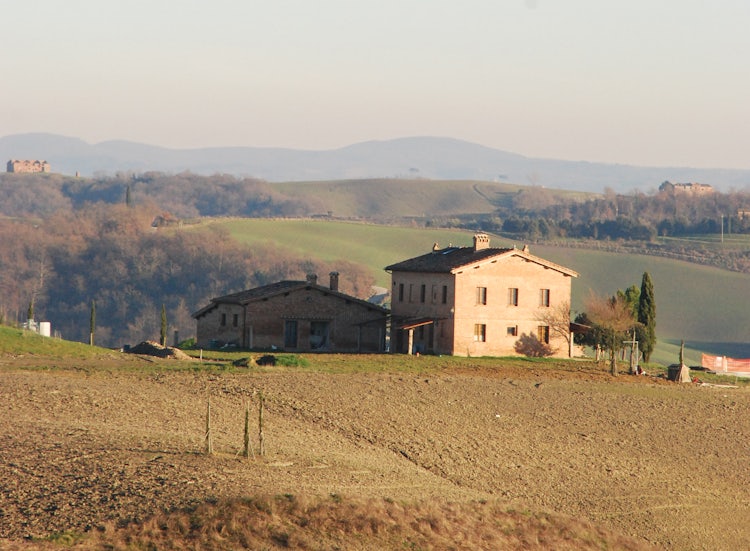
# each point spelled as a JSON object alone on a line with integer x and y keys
{"x": 163, "y": 325}
{"x": 647, "y": 315}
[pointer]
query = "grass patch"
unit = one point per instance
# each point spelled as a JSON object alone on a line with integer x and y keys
{"x": 319, "y": 523}
{"x": 20, "y": 341}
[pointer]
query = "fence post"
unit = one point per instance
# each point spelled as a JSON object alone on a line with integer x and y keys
{"x": 248, "y": 450}
{"x": 261, "y": 442}
{"x": 209, "y": 438}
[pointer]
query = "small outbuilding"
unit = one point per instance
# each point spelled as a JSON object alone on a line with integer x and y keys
{"x": 299, "y": 316}
{"x": 679, "y": 373}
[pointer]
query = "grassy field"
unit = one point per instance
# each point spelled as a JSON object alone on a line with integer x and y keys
{"x": 371, "y": 245}
{"x": 387, "y": 199}
{"x": 704, "y": 306}
{"x": 727, "y": 241}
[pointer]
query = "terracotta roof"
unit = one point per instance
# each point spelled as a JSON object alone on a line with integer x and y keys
{"x": 451, "y": 259}
{"x": 273, "y": 289}
{"x": 265, "y": 291}
{"x": 444, "y": 260}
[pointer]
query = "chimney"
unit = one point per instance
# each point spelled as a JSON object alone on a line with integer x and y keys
{"x": 312, "y": 279}
{"x": 481, "y": 241}
{"x": 334, "y": 281}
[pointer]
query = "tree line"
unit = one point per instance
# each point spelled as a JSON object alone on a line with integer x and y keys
{"x": 542, "y": 214}
{"x": 532, "y": 213}
{"x": 111, "y": 255}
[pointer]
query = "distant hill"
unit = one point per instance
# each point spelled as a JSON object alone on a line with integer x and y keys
{"x": 417, "y": 157}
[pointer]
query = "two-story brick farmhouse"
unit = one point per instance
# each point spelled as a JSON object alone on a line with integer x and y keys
{"x": 475, "y": 301}
{"x": 293, "y": 316}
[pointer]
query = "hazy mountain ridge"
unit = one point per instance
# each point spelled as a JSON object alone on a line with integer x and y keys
{"x": 418, "y": 157}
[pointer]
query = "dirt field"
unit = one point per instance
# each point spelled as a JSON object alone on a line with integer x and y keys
{"x": 662, "y": 462}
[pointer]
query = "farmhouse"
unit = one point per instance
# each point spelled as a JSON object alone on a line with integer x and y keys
{"x": 15, "y": 165}
{"x": 475, "y": 301}
{"x": 690, "y": 188}
{"x": 293, "y": 316}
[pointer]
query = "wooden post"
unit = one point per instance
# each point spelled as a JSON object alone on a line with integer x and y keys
{"x": 261, "y": 442}
{"x": 209, "y": 438}
{"x": 247, "y": 451}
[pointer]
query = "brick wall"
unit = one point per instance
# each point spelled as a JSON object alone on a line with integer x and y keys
{"x": 454, "y": 330}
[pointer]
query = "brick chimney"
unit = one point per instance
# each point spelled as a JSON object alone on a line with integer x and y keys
{"x": 312, "y": 279}
{"x": 481, "y": 241}
{"x": 334, "y": 281}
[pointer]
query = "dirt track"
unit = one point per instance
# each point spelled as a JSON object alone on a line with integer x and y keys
{"x": 659, "y": 461}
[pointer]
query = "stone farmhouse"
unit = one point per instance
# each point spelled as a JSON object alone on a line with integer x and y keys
{"x": 299, "y": 316}
{"x": 15, "y": 165}
{"x": 690, "y": 188}
{"x": 475, "y": 301}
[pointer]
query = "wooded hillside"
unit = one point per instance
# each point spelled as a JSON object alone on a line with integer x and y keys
{"x": 112, "y": 255}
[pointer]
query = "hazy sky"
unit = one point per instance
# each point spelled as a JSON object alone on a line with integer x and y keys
{"x": 651, "y": 82}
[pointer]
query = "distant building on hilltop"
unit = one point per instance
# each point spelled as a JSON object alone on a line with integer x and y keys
{"x": 15, "y": 165}
{"x": 690, "y": 188}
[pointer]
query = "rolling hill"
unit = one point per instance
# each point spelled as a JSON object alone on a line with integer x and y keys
{"x": 415, "y": 157}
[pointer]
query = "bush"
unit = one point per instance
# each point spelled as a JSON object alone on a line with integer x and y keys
{"x": 529, "y": 345}
{"x": 187, "y": 344}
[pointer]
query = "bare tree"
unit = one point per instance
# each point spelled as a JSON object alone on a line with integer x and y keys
{"x": 613, "y": 317}
{"x": 557, "y": 319}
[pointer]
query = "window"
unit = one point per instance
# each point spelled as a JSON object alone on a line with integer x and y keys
{"x": 223, "y": 320}
{"x": 480, "y": 332}
{"x": 290, "y": 334}
{"x": 411, "y": 292}
{"x": 401, "y": 292}
{"x": 434, "y": 294}
{"x": 445, "y": 294}
{"x": 513, "y": 296}
{"x": 422, "y": 293}
{"x": 543, "y": 297}
{"x": 481, "y": 295}
{"x": 512, "y": 330}
{"x": 235, "y": 320}
{"x": 543, "y": 333}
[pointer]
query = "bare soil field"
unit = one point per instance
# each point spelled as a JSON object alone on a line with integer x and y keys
{"x": 662, "y": 463}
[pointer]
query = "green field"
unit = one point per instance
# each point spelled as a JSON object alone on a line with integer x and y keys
{"x": 704, "y": 306}
{"x": 390, "y": 198}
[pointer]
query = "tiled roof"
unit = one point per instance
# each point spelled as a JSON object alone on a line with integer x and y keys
{"x": 452, "y": 258}
{"x": 260, "y": 292}
{"x": 445, "y": 260}
{"x": 266, "y": 291}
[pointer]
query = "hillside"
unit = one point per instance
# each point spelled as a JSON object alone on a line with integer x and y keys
{"x": 422, "y": 157}
{"x": 368, "y": 452}
{"x": 709, "y": 321}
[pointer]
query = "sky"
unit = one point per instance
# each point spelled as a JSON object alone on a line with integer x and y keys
{"x": 639, "y": 82}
